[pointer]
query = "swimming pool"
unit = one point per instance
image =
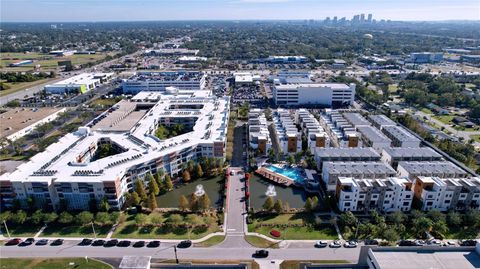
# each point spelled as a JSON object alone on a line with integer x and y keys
{"x": 291, "y": 173}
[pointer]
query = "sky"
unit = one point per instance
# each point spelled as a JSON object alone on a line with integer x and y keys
{"x": 145, "y": 10}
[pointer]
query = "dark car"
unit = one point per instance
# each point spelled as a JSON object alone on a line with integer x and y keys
{"x": 184, "y": 244}
{"x": 13, "y": 242}
{"x": 57, "y": 242}
{"x": 27, "y": 242}
{"x": 111, "y": 243}
{"x": 42, "y": 242}
{"x": 371, "y": 242}
{"x": 98, "y": 242}
{"x": 124, "y": 243}
{"x": 139, "y": 244}
{"x": 468, "y": 243}
{"x": 407, "y": 243}
{"x": 153, "y": 244}
{"x": 260, "y": 253}
{"x": 85, "y": 242}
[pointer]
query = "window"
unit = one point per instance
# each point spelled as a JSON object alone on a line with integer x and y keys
{"x": 347, "y": 204}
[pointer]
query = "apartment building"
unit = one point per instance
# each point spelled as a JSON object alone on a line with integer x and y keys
{"x": 259, "y": 136}
{"x": 441, "y": 169}
{"x": 372, "y": 137}
{"x": 160, "y": 81}
{"x": 401, "y": 137}
{"x": 341, "y": 132}
{"x": 372, "y": 170}
{"x": 434, "y": 193}
{"x": 384, "y": 195}
{"x": 71, "y": 172}
{"x": 312, "y": 131}
{"x": 286, "y": 133}
{"x": 379, "y": 121}
{"x": 323, "y": 155}
{"x": 318, "y": 94}
{"x": 393, "y": 156}
{"x": 356, "y": 119}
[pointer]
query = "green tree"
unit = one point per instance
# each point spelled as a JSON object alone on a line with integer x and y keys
{"x": 390, "y": 235}
{"x": 269, "y": 203}
{"x": 183, "y": 203}
{"x": 84, "y": 218}
{"x": 314, "y": 202}
{"x": 135, "y": 199}
{"x": 140, "y": 189}
{"x": 153, "y": 187}
{"x": 278, "y": 206}
{"x": 198, "y": 171}
{"x": 290, "y": 160}
{"x": 152, "y": 202}
{"x": 205, "y": 202}
{"x": 19, "y": 217}
{"x": 397, "y": 217}
{"x": 186, "y": 176}
{"x": 5, "y": 216}
{"x": 168, "y": 183}
{"x": 454, "y": 218}
{"x": 65, "y": 218}
{"x": 193, "y": 219}
{"x": 156, "y": 219}
{"x": 194, "y": 203}
{"x": 422, "y": 225}
{"x": 348, "y": 219}
{"x": 49, "y": 217}
{"x": 115, "y": 217}
{"x": 440, "y": 228}
{"x": 175, "y": 219}
{"x": 102, "y": 218}
{"x": 308, "y": 205}
{"x": 37, "y": 217}
{"x": 104, "y": 205}
{"x": 141, "y": 220}
{"x": 436, "y": 216}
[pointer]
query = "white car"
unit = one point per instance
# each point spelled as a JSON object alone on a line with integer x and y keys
{"x": 321, "y": 244}
{"x": 336, "y": 244}
{"x": 350, "y": 244}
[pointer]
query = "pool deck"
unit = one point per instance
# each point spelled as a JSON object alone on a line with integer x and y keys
{"x": 275, "y": 177}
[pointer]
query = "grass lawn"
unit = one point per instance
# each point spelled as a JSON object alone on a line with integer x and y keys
{"x": 212, "y": 241}
{"x": 44, "y": 263}
{"x": 392, "y": 88}
{"x": 426, "y": 111}
{"x": 19, "y": 86}
{"x": 447, "y": 119}
{"x": 475, "y": 137}
{"x": 310, "y": 232}
{"x": 260, "y": 242}
{"x": 128, "y": 229}
{"x": 23, "y": 230}
{"x": 295, "y": 264}
{"x": 105, "y": 102}
{"x": 57, "y": 230}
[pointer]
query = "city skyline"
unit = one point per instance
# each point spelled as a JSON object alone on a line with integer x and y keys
{"x": 148, "y": 10}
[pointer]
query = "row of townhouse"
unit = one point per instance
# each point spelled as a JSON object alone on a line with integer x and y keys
{"x": 340, "y": 131}
{"x": 287, "y": 134}
{"x": 314, "y": 134}
{"x": 258, "y": 134}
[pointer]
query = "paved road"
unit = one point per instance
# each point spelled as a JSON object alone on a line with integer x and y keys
{"x": 165, "y": 251}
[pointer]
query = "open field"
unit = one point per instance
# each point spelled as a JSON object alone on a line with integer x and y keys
{"x": 44, "y": 263}
{"x": 260, "y": 242}
{"x": 212, "y": 241}
{"x": 15, "y": 87}
{"x": 47, "y": 62}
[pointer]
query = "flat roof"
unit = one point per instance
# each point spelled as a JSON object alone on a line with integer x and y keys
{"x": 314, "y": 86}
{"x": 400, "y": 134}
{"x": 427, "y": 259}
{"x": 358, "y": 167}
{"x": 167, "y": 76}
{"x": 381, "y": 120}
{"x": 373, "y": 134}
{"x": 84, "y": 78}
{"x": 356, "y": 119}
{"x": 14, "y": 120}
{"x": 412, "y": 152}
{"x": 346, "y": 152}
{"x": 431, "y": 167}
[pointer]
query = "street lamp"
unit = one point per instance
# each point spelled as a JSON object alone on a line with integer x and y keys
{"x": 175, "y": 250}
{"x": 93, "y": 228}
{"x": 6, "y": 229}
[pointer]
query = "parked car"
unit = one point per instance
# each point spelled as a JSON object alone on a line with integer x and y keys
{"x": 321, "y": 244}
{"x": 111, "y": 243}
{"x": 98, "y": 242}
{"x": 184, "y": 244}
{"x": 13, "y": 242}
{"x": 57, "y": 242}
{"x": 434, "y": 242}
{"x": 85, "y": 242}
{"x": 406, "y": 243}
{"x": 370, "y": 242}
{"x": 124, "y": 243}
{"x": 27, "y": 242}
{"x": 139, "y": 244}
{"x": 468, "y": 243}
{"x": 42, "y": 242}
{"x": 350, "y": 244}
{"x": 419, "y": 243}
{"x": 336, "y": 244}
{"x": 153, "y": 244}
{"x": 262, "y": 253}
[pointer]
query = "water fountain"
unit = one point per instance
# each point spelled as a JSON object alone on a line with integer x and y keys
{"x": 271, "y": 192}
{"x": 199, "y": 190}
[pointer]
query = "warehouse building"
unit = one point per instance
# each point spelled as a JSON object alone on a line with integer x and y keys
{"x": 160, "y": 81}
{"x": 314, "y": 94}
{"x": 79, "y": 84}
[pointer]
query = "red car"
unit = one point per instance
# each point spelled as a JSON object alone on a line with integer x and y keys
{"x": 13, "y": 242}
